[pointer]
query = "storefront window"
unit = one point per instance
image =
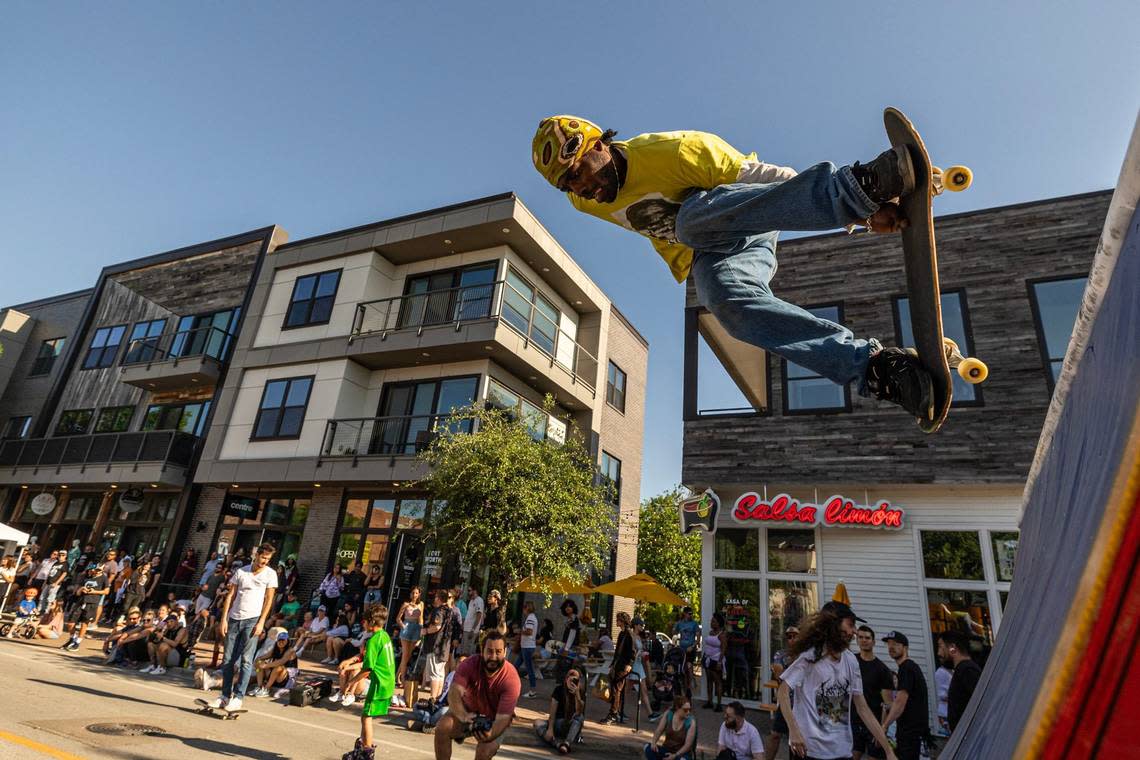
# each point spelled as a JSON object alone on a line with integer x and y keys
{"x": 412, "y": 513}
{"x": 346, "y": 548}
{"x": 737, "y": 549}
{"x": 791, "y": 551}
{"x": 81, "y": 508}
{"x": 955, "y": 555}
{"x": 789, "y": 603}
{"x": 280, "y": 521}
{"x": 367, "y": 527}
{"x": 964, "y": 611}
{"x": 1005, "y": 552}
{"x": 738, "y": 599}
{"x": 382, "y": 511}
{"x": 355, "y": 512}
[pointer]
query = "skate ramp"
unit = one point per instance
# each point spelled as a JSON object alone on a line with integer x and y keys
{"x": 1064, "y": 680}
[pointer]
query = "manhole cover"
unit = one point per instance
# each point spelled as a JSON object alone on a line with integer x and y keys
{"x": 125, "y": 729}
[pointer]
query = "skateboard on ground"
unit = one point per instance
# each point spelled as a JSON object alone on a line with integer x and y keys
{"x": 205, "y": 709}
{"x": 937, "y": 353}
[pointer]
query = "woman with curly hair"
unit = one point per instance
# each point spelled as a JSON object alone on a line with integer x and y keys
{"x": 825, "y": 681}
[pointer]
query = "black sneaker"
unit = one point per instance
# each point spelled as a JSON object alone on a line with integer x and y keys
{"x": 896, "y": 375}
{"x": 889, "y": 176}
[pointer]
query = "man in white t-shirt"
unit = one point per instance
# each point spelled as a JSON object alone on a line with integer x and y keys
{"x": 527, "y": 646}
{"x": 826, "y": 681}
{"x": 738, "y": 739}
{"x": 473, "y": 622}
{"x": 249, "y": 599}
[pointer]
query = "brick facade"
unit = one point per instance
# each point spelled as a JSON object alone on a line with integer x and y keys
{"x": 207, "y": 511}
{"x": 317, "y": 541}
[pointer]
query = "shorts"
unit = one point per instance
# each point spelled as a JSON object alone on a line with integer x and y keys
{"x": 435, "y": 669}
{"x": 862, "y": 741}
{"x": 410, "y": 632}
{"x": 83, "y": 613}
{"x": 779, "y": 724}
{"x": 202, "y": 603}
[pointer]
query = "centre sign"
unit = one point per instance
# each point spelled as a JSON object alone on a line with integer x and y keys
{"x": 835, "y": 512}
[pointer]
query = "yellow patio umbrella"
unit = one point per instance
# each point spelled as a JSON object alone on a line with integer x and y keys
{"x": 555, "y": 586}
{"x": 840, "y": 594}
{"x": 641, "y": 587}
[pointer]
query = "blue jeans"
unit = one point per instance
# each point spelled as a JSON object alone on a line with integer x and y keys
{"x": 241, "y": 645}
{"x": 526, "y": 657}
{"x": 732, "y": 230}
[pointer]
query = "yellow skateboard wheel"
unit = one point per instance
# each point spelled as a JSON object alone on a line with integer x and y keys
{"x": 957, "y": 178}
{"x": 973, "y": 370}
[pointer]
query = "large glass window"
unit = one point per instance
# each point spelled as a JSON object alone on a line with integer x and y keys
{"x": 143, "y": 345}
{"x": 964, "y": 611}
{"x": 45, "y": 358}
{"x": 791, "y": 551}
{"x": 367, "y": 527}
{"x": 1005, "y": 552}
{"x": 104, "y": 347}
{"x": 409, "y": 413}
{"x": 737, "y": 549}
{"x": 187, "y": 418}
{"x": 610, "y": 470}
{"x": 789, "y": 603}
{"x": 807, "y": 391}
{"x": 952, "y": 554}
{"x": 615, "y": 387}
{"x": 1055, "y": 306}
{"x": 537, "y": 421}
{"x": 530, "y": 312}
{"x": 312, "y": 300}
{"x": 206, "y": 334}
{"x": 448, "y": 296}
{"x": 18, "y": 427}
{"x": 74, "y": 422}
{"x": 954, "y": 326}
{"x": 280, "y": 520}
{"x": 738, "y": 599}
{"x": 281, "y": 413}
{"x": 114, "y": 419}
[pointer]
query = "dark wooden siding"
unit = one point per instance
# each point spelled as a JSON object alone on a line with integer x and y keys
{"x": 991, "y": 255}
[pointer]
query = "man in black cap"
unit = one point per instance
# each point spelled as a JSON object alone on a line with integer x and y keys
{"x": 909, "y": 706}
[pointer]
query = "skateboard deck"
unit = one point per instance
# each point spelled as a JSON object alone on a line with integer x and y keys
{"x": 205, "y": 709}
{"x": 936, "y": 352}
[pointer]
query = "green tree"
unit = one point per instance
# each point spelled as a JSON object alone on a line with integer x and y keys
{"x": 522, "y": 507}
{"x": 671, "y": 558}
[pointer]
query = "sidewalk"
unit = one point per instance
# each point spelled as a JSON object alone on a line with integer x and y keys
{"x": 598, "y": 740}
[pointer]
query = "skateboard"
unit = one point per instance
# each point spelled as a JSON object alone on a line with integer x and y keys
{"x": 205, "y": 709}
{"x": 937, "y": 353}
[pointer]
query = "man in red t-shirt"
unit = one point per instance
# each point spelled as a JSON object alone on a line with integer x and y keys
{"x": 482, "y": 701}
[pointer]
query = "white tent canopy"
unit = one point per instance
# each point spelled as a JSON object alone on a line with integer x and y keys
{"x": 8, "y": 533}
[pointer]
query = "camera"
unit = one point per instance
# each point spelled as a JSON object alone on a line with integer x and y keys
{"x": 480, "y": 724}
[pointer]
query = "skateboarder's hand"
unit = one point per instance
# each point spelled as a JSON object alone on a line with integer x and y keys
{"x": 889, "y": 218}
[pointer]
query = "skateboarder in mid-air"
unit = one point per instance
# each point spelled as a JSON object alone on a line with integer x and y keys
{"x": 710, "y": 210}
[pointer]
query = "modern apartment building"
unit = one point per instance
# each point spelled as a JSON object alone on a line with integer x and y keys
{"x": 816, "y": 485}
{"x": 357, "y": 342}
{"x": 107, "y": 394}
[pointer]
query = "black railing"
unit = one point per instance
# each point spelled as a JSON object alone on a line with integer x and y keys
{"x": 383, "y": 436}
{"x": 213, "y": 342}
{"x": 169, "y": 447}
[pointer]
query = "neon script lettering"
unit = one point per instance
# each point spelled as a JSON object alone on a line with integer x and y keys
{"x": 836, "y": 512}
{"x": 783, "y": 508}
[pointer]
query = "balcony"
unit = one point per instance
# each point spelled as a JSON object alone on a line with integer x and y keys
{"x": 176, "y": 360}
{"x": 157, "y": 456}
{"x": 474, "y": 322}
{"x": 381, "y": 436}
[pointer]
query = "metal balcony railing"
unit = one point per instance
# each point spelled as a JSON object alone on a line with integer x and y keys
{"x": 474, "y": 303}
{"x": 383, "y": 436}
{"x": 170, "y": 447}
{"x": 213, "y": 342}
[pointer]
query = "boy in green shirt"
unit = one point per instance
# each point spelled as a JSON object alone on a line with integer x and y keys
{"x": 709, "y": 210}
{"x": 379, "y": 666}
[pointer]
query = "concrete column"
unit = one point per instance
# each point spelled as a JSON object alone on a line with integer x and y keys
{"x": 317, "y": 540}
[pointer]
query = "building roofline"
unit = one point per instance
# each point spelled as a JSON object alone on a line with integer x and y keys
{"x": 962, "y": 214}
{"x": 509, "y": 195}
{"x": 48, "y": 300}
{"x": 625, "y": 321}
{"x": 187, "y": 251}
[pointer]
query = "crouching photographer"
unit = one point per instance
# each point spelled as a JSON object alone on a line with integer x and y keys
{"x": 481, "y": 701}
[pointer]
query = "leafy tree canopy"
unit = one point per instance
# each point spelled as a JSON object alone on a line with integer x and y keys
{"x": 671, "y": 558}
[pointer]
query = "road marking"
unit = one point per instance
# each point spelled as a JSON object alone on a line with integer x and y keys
{"x": 43, "y": 748}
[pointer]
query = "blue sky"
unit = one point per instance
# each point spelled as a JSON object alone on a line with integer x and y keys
{"x": 129, "y": 129}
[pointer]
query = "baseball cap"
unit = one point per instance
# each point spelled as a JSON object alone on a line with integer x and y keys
{"x": 841, "y": 610}
{"x": 637, "y": 621}
{"x": 897, "y": 636}
{"x": 322, "y": 608}
{"x": 283, "y": 636}
{"x": 687, "y": 611}
{"x": 495, "y": 593}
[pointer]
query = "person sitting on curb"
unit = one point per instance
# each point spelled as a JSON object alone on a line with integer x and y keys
{"x": 738, "y": 739}
{"x": 676, "y": 734}
{"x": 168, "y": 646}
{"x": 51, "y": 623}
{"x": 335, "y": 638}
{"x": 315, "y": 633}
{"x": 131, "y": 632}
{"x": 427, "y": 712}
{"x": 276, "y": 667}
{"x": 346, "y": 671}
{"x": 567, "y": 714}
{"x": 379, "y": 667}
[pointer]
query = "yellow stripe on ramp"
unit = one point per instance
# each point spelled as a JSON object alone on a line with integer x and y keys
{"x": 43, "y": 748}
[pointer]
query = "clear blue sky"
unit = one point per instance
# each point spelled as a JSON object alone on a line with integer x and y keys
{"x": 129, "y": 129}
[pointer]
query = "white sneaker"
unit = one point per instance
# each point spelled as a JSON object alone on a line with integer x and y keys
{"x": 396, "y": 701}
{"x": 282, "y": 692}
{"x": 348, "y": 700}
{"x": 147, "y": 669}
{"x": 335, "y": 697}
{"x": 158, "y": 671}
{"x": 233, "y": 705}
{"x": 217, "y": 704}
{"x": 262, "y": 692}
{"x": 530, "y": 695}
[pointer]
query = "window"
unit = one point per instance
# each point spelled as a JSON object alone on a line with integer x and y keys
{"x": 143, "y": 345}
{"x": 206, "y": 334}
{"x": 1055, "y": 306}
{"x": 74, "y": 422}
{"x": 282, "y": 410}
{"x": 611, "y": 475}
{"x": 186, "y": 418}
{"x": 737, "y": 549}
{"x": 530, "y": 312}
{"x": 791, "y": 551}
{"x": 17, "y": 427}
{"x": 1005, "y": 553}
{"x": 45, "y": 358}
{"x": 368, "y": 525}
{"x": 615, "y": 387}
{"x": 738, "y": 599}
{"x": 955, "y": 326}
{"x": 409, "y": 412}
{"x": 114, "y": 419}
{"x": 537, "y": 421}
{"x": 104, "y": 347}
{"x": 280, "y": 520}
{"x": 448, "y": 296}
{"x": 806, "y": 391}
{"x": 952, "y": 554}
{"x": 312, "y": 299}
